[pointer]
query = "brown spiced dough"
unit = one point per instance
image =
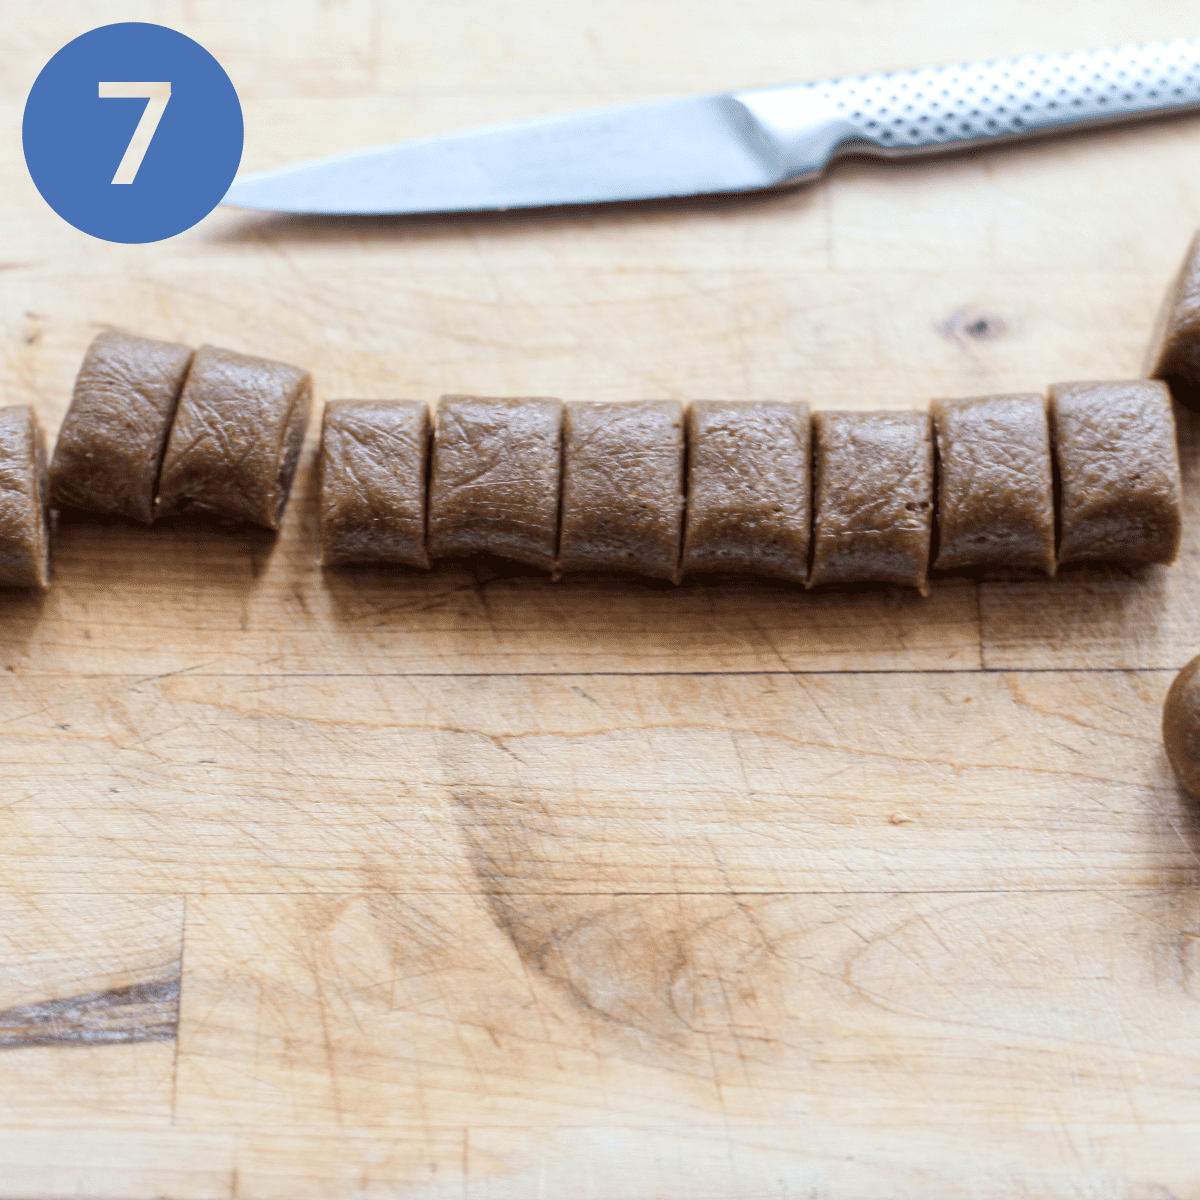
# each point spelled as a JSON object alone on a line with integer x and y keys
{"x": 748, "y": 491}
{"x": 1118, "y": 465}
{"x": 373, "y": 467}
{"x": 1174, "y": 351}
{"x": 24, "y": 534}
{"x": 494, "y": 478}
{"x": 995, "y": 485}
{"x": 112, "y": 439}
{"x": 874, "y": 497}
{"x": 622, "y": 489}
{"x": 1181, "y": 727}
{"x": 236, "y": 439}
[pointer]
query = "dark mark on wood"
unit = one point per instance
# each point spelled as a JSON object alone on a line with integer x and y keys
{"x": 969, "y": 323}
{"x": 141, "y": 1012}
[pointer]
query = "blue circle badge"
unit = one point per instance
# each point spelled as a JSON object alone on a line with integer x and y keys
{"x": 132, "y": 132}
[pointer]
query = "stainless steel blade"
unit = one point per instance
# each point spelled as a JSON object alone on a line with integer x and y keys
{"x": 736, "y": 142}
{"x": 663, "y": 148}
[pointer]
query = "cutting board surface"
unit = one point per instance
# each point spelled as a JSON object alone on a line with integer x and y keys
{"x": 377, "y": 883}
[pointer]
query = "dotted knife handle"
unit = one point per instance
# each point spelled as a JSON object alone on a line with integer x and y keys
{"x": 919, "y": 111}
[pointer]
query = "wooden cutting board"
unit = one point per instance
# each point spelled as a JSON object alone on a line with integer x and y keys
{"x": 377, "y": 883}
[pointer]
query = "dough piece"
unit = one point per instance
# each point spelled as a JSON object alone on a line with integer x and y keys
{"x": 112, "y": 439}
{"x": 622, "y": 489}
{"x": 874, "y": 497}
{"x": 24, "y": 534}
{"x": 996, "y": 486}
{"x": 749, "y": 492}
{"x": 236, "y": 439}
{"x": 1174, "y": 352}
{"x": 494, "y": 478}
{"x": 1181, "y": 727}
{"x": 1118, "y": 466}
{"x": 373, "y": 470}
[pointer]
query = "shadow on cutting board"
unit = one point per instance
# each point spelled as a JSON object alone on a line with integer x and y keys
{"x": 287, "y": 229}
{"x": 190, "y": 550}
{"x": 486, "y": 614}
{"x": 21, "y": 612}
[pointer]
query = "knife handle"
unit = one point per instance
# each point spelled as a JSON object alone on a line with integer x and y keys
{"x": 954, "y": 108}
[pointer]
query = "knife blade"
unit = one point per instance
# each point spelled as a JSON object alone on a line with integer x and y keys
{"x": 736, "y": 141}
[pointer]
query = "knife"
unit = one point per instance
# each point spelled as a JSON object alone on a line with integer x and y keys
{"x": 737, "y": 141}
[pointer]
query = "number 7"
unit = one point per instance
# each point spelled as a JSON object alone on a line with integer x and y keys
{"x": 157, "y": 94}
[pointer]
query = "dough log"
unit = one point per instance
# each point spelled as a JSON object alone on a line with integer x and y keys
{"x": 494, "y": 478}
{"x": 622, "y": 489}
{"x": 1181, "y": 727}
{"x": 995, "y": 502}
{"x": 874, "y": 497}
{"x": 24, "y": 534}
{"x": 111, "y": 443}
{"x": 748, "y": 492}
{"x": 1174, "y": 352}
{"x": 373, "y": 475}
{"x": 236, "y": 439}
{"x": 1118, "y": 465}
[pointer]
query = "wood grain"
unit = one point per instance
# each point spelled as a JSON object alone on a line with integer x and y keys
{"x": 478, "y": 886}
{"x": 631, "y": 1010}
{"x": 513, "y": 786}
{"x": 89, "y": 998}
{"x": 141, "y": 1012}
